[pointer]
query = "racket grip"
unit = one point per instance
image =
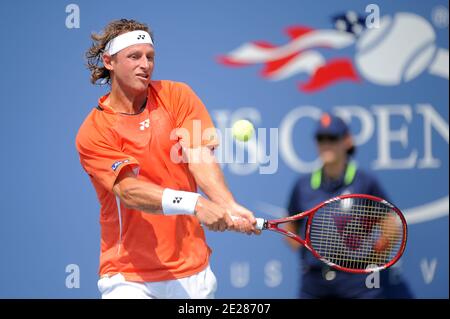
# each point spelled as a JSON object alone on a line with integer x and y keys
{"x": 259, "y": 222}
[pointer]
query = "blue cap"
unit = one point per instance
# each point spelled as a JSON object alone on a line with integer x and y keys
{"x": 331, "y": 125}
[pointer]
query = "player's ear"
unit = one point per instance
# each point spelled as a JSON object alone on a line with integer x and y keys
{"x": 107, "y": 59}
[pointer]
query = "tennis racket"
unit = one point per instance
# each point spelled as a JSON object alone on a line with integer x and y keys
{"x": 353, "y": 233}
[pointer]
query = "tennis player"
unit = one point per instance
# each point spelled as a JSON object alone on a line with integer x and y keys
{"x": 146, "y": 147}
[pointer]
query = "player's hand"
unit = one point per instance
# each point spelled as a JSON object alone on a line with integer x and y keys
{"x": 243, "y": 220}
{"x": 212, "y": 216}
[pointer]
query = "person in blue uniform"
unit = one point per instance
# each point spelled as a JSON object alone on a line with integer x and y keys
{"x": 339, "y": 175}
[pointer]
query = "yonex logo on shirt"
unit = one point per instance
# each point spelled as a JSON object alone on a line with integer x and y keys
{"x": 144, "y": 124}
{"x": 177, "y": 200}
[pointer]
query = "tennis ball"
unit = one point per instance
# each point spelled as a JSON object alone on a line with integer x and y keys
{"x": 243, "y": 130}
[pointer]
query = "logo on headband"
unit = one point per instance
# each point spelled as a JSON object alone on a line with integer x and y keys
{"x": 141, "y": 37}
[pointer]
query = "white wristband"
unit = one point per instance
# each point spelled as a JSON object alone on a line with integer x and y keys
{"x": 179, "y": 202}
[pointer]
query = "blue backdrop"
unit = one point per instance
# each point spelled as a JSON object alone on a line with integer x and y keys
{"x": 396, "y": 104}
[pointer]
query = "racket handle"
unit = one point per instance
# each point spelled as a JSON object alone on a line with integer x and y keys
{"x": 259, "y": 222}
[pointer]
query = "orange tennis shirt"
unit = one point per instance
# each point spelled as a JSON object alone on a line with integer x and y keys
{"x": 142, "y": 246}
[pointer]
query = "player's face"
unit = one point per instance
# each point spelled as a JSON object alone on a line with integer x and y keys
{"x": 133, "y": 67}
{"x": 332, "y": 149}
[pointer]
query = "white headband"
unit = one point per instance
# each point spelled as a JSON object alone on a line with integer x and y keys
{"x": 127, "y": 39}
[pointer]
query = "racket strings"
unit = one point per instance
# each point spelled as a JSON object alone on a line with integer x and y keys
{"x": 356, "y": 233}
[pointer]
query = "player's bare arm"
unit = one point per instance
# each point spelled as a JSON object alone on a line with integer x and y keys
{"x": 138, "y": 194}
{"x": 147, "y": 197}
{"x": 209, "y": 177}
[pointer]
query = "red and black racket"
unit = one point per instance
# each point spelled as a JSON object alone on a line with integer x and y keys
{"x": 354, "y": 233}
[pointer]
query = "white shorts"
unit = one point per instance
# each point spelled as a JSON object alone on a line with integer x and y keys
{"x": 199, "y": 286}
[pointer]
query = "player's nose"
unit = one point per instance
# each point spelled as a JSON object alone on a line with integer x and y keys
{"x": 144, "y": 63}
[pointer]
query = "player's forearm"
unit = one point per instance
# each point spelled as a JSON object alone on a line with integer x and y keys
{"x": 210, "y": 179}
{"x": 141, "y": 195}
